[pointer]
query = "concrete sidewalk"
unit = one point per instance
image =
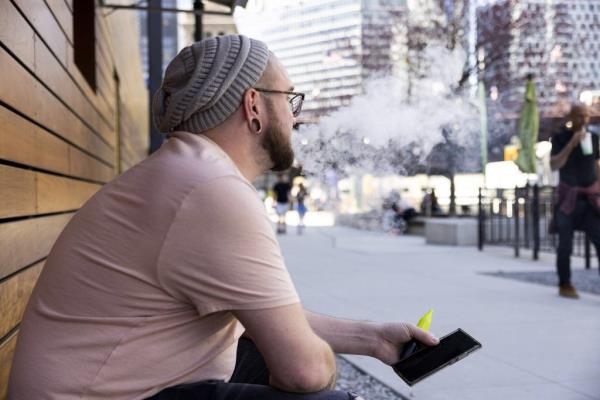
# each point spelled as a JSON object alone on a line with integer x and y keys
{"x": 535, "y": 344}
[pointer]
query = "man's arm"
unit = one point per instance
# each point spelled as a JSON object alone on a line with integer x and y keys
{"x": 559, "y": 160}
{"x": 298, "y": 359}
{"x": 383, "y": 341}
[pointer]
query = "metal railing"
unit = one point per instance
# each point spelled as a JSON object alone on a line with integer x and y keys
{"x": 520, "y": 218}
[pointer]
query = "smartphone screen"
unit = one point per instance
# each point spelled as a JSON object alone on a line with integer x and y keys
{"x": 428, "y": 360}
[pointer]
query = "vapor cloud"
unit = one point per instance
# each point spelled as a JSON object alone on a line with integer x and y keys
{"x": 361, "y": 135}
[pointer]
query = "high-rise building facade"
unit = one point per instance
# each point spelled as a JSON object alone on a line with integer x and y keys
{"x": 169, "y": 42}
{"x": 329, "y": 47}
{"x": 556, "y": 41}
{"x": 212, "y": 24}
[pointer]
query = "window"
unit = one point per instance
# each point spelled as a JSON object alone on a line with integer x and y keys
{"x": 84, "y": 39}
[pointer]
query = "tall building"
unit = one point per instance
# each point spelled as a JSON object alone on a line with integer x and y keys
{"x": 556, "y": 41}
{"x": 329, "y": 47}
{"x": 212, "y": 25}
{"x": 169, "y": 42}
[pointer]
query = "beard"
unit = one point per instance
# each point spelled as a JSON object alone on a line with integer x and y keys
{"x": 278, "y": 147}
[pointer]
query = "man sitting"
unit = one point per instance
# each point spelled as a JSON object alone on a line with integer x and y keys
{"x": 149, "y": 288}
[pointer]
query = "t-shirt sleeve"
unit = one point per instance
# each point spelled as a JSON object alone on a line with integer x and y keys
{"x": 221, "y": 253}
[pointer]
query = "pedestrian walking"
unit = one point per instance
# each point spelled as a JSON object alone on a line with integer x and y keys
{"x": 281, "y": 192}
{"x": 301, "y": 206}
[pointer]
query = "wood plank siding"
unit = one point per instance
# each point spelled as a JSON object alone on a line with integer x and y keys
{"x": 61, "y": 136}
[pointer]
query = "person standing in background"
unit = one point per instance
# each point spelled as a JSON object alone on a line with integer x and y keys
{"x": 281, "y": 190}
{"x": 575, "y": 154}
{"x": 300, "y": 198}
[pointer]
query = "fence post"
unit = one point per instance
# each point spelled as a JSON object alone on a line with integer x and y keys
{"x": 480, "y": 220}
{"x": 587, "y": 251}
{"x": 501, "y": 221}
{"x": 526, "y": 215}
{"x": 536, "y": 221}
{"x": 516, "y": 217}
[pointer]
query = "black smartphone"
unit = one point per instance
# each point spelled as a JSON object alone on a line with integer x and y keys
{"x": 428, "y": 360}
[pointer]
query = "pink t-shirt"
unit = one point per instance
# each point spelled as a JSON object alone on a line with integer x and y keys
{"x": 137, "y": 291}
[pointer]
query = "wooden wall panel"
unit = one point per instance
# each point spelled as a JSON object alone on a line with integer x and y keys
{"x": 61, "y": 12}
{"x": 20, "y": 90}
{"x": 26, "y": 143}
{"x": 128, "y": 153}
{"x": 15, "y": 32}
{"x": 55, "y": 76}
{"x": 84, "y": 166}
{"x": 103, "y": 59}
{"x": 17, "y": 192}
{"x": 7, "y": 349}
{"x": 104, "y": 92}
{"x": 104, "y": 72}
{"x": 80, "y": 81}
{"x": 16, "y": 86}
{"x": 133, "y": 92}
{"x": 52, "y": 73}
{"x": 45, "y": 24}
{"x": 17, "y": 35}
{"x": 132, "y": 142}
{"x": 56, "y": 194}
{"x": 27, "y": 241}
{"x": 57, "y": 136}
{"x": 28, "y": 193}
{"x": 104, "y": 64}
{"x": 108, "y": 38}
{"x": 103, "y": 45}
{"x": 14, "y": 295}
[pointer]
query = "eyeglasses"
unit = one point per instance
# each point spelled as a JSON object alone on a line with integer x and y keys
{"x": 295, "y": 100}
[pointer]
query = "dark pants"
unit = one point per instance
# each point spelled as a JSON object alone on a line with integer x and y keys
{"x": 409, "y": 214}
{"x": 584, "y": 218}
{"x": 249, "y": 381}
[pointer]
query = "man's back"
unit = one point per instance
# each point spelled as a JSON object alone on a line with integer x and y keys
{"x": 135, "y": 294}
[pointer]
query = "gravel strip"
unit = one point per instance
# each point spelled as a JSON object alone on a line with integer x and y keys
{"x": 352, "y": 379}
{"x": 585, "y": 280}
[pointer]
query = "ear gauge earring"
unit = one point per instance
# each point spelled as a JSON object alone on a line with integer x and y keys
{"x": 256, "y": 125}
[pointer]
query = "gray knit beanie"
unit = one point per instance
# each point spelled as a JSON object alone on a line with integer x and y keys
{"x": 204, "y": 83}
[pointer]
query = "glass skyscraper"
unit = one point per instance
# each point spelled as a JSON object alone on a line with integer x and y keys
{"x": 328, "y": 46}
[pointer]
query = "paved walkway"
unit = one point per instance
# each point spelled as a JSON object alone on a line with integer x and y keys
{"x": 535, "y": 344}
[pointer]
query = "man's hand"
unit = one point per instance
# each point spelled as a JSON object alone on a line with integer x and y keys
{"x": 383, "y": 341}
{"x": 393, "y": 336}
{"x": 559, "y": 160}
{"x": 577, "y": 137}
